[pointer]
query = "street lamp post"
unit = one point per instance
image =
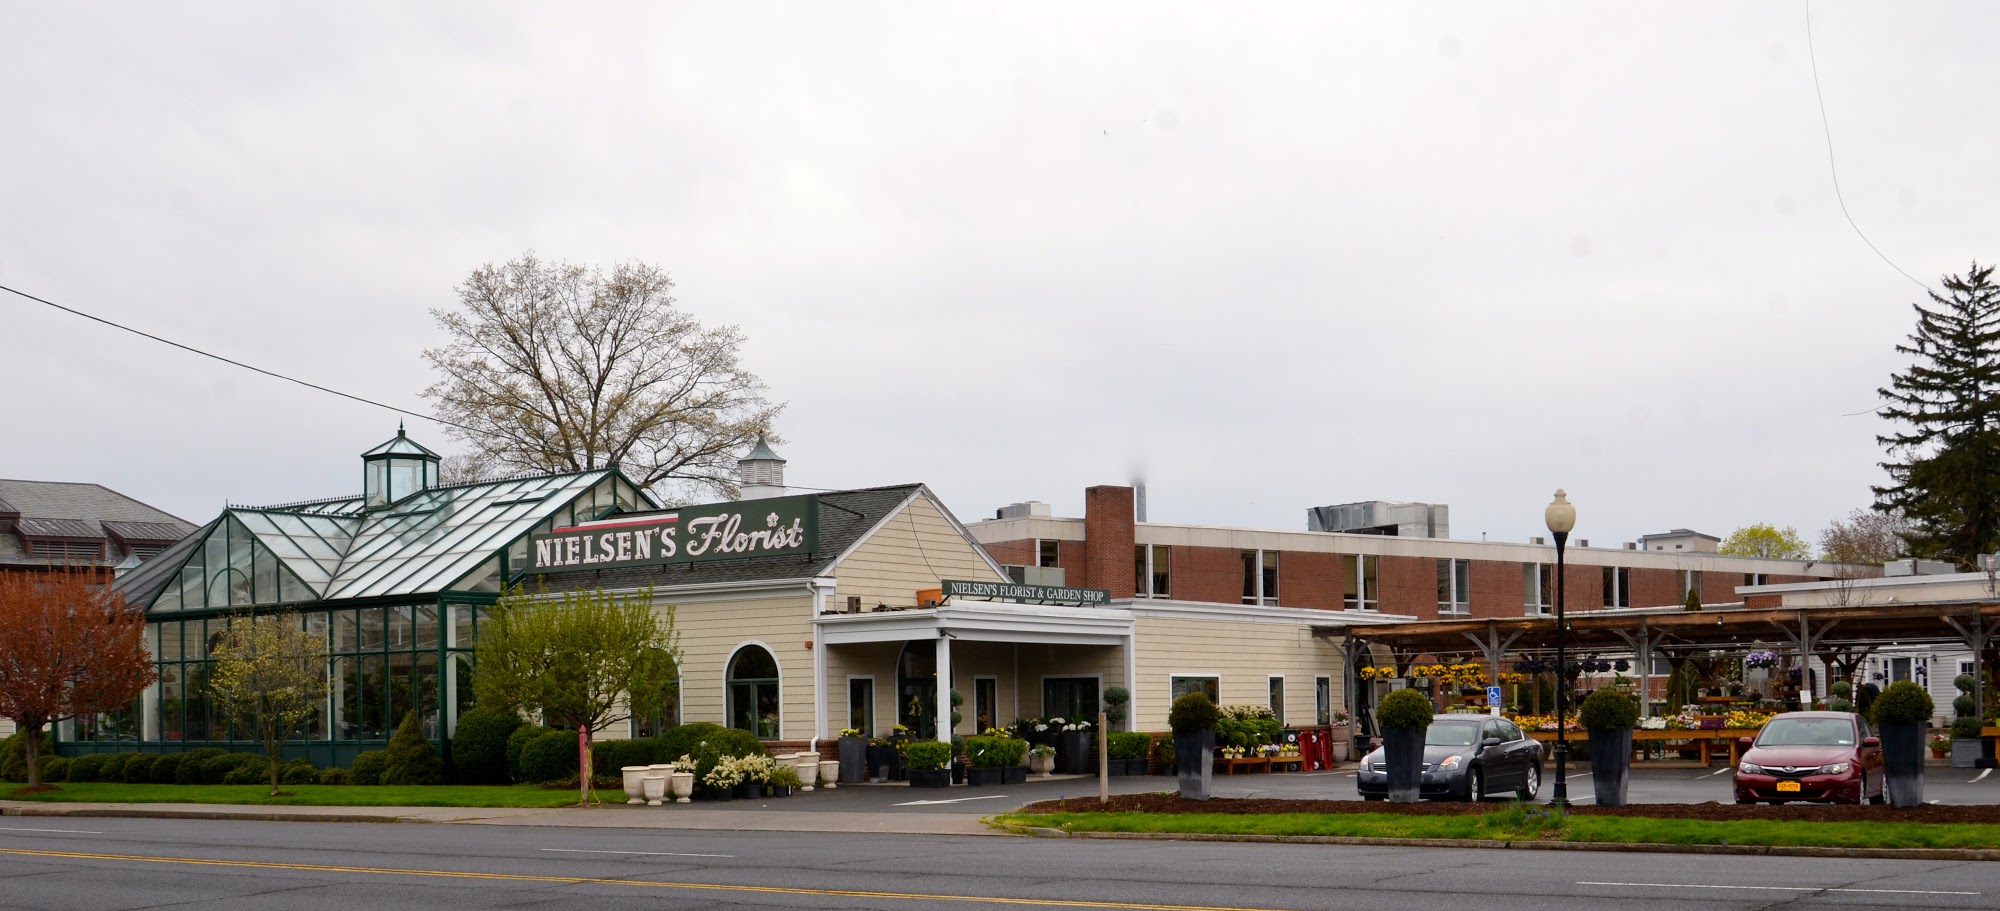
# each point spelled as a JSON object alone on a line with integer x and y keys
{"x": 1561, "y": 518}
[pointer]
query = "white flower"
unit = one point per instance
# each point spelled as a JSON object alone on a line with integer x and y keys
{"x": 1041, "y": 727}
{"x": 1055, "y": 721}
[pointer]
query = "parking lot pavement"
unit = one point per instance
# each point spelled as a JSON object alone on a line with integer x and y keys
{"x": 1657, "y": 785}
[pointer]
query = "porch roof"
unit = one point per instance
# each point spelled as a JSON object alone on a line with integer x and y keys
{"x": 982, "y": 621}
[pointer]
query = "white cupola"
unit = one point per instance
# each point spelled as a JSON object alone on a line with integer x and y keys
{"x": 761, "y": 473}
{"x": 395, "y": 470}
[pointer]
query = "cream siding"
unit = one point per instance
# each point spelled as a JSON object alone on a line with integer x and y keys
{"x": 1243, "y": 654}
{"x": 710, "y": 632}
{"x": 916, "y": 548}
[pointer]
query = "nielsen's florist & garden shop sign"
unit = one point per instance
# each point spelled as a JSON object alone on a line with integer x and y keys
{"x": 775, "y": 527}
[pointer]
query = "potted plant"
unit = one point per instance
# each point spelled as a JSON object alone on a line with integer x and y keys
{"x": 1076, "y": 748}
{"x": 927, "y": 759}
{"x": 1609, "y": 716}
{"x": 1127, "y": 751}
{"x": 634, "y": 787}
{"x": 1404, "y": 715}
{"x": 721, "y": 779}
{"x": 680, "y": 778}
{"x": 1940, "y": 746}
{"x": 784, "y": 781}
{"x": 1193, "y": 719}
{"x": 755, "y": 770}
{"x": 853, "y": 756}
{"x": 881, "y": 758}
{"x": 1967, "y": 747}
{"x": 1042, "y": 759}
{"x": 1901, "y": 714}
{"x": 992, "y": 756}
{"x": 1115, "y": 699}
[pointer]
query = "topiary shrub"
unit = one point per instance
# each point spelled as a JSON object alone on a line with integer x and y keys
{"x": 1609, "y": 710}
{"x": 1404, "y": 708}
{"x": 55, "y": 768}
{"x": 1114, "y": 705}
{"x": 366, "y": 769}
{"x": 517, "y": 741}
{"x": 413, "y": 759}
{"x": 1965, "y": 727}
{"x": 1842, "y": 689}
{"x": 1693, "y": 601}
{"x": 1964, "y": 706}
{"x": 1964, "y": 683}
{"x": 191, "y": 763}
{"x": 1192, "y": 712}
{"x": 928, "y": 755}
{"x": 1904, "y": 702}
{"x": 298, "y": 771}
{"x": 550, "y": 756}
{"x": 1840, "y": 705}
{"x": 245, "y": 774}
{"x": 333, "y": 776}
{"x": 138, "y": 769}
{"x": 167, "y": 768}
{"x": 87, "y": 768}
{"x": 479, "y": 746}
{"x": 994, "y": 752}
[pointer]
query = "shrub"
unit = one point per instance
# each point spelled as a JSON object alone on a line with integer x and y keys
{"x": 1693, "y": 600}
{"x": 14, "y": 758}
{"x": 1864, "y": 701}
{"x": 138, "y": 769}
{"x": 333, "y": 776}
{"x": 55, "y": 768}
{"x": 1128, "y": 745}
{"x": 1163, "y": 754}
{"x": 928, "y": 755}
{"x": 550, "y": 756}
{"x": 682, "y": 740}
{"x": 1192, "y": 712}
{"x": 786, "y": 777}
{"x": 216, "y": 770}
{"x": 1965, "y": 683}
{"x": 1114, "y": 704}
{"x": 995, "y": 752}
{"x": 113, "y": 769}
{"x": 1964, "y": 707}
{"x": 366, "y": 769}
{"x": 87, "y": 768}
{"x": 167, "y": 768}
{"x": 1840, "y": 705}
{"x": 609, "y": 757}
{"x": 413, "y": 759}
{"x": 1904, "y": 702}
{"x": 1607, "y": 709}
{"x": 189, "y": 771}
{"x": 1965, "y": 727}
{"x": 246, "y": 774}
{"x": 1842, "y": 689}
{"x": 298, "y": 771}
{"x": 517, "y": 741}
{"x": 479, "y": 748}
{"x": 1404, "y": 708}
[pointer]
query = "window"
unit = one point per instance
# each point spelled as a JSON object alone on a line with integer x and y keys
{"x": 861, "y": 705}
{"x": 1260, "y": 577}
{"x": 985, "y": 703}
{"x": 1278, "y": 697}
{"x": 1690, "y": 582}
{"x": 1183, "y": 684}
{"x": 1070, "y": 697}
{"x": 1361, "y": 586}
{"x": 1150, "y": 565}
{"x": 1454, "y": 586}
{"x": 1047, "y": 552}
{"x": 1538, "y": 582}
{"x": 1617, "y": 586}
{"x": 753, "y": 692}
{"x": 1756, "y": 579}
{"x": 1322, "y": 700}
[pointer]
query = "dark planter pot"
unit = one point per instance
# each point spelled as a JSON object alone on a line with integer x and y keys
{"x": 930, "y": 778}
{"x": 1610, "y": 764}
{"x": 750, "y": 790}
{"x": 1074, "y": 755}
{"x": 780, "y": 790}
{"x": 1135, "y": 766}
{"x": 1014, "y": 774}
{"x": 958, "y": 770}
{"x": 881, "y": 761}
{"x": 1194, "y": 762}
{"x": 1966, "y": 753}
{"x": 1903, "y": 763}
{"x": 985, "y": 778}
{"x": 724, "y": 794}
{"x": 853, "y": 760}
{"x": 1403, "y": 760}
{"x": 1118, "y": 767}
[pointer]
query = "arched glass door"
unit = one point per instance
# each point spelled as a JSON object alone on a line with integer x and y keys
{"x": 753, "y": 692}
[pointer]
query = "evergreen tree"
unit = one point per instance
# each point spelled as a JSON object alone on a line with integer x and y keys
{"x": 1945, "y": 467}
{"x": 412, "y": 759}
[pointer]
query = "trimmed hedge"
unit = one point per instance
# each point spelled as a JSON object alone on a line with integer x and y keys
{"x": 139, "y": 769}
{"x": 608, "y": 757}
{"x": 367, "y": 767}
{"x": 87, "y": 768}
{"x": 550, "y": 756}
{"x": 479, "y": 746}
{"x": 928, "y": 755}
{"x": 298, "y": 771}
{"x": 516, "y": 742}
{"x": 686, "y": 740}
{"x": 1904, "y": 702}
{"x": 333, "y": 776}
{"x": 167, "y": 768}
{"x": 1405, "y": 708}
{"x": 1606, "y": 709}
{"x": 189, "y": 771}
{"x": 14, "y": 755}
{"x": 995, "y": 752}
{"x": 55, "y": 768}
{"x": 1129, "y": 745}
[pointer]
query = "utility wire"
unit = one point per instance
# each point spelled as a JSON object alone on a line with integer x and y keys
{"x": 234, "y": 363}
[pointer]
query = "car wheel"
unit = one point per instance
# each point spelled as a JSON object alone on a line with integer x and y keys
{"x": 1531, "y": 783}
{"x": 1881, "y": 795}
{"x": 1475, "y": 786}
{"x": 1861, "y": 794}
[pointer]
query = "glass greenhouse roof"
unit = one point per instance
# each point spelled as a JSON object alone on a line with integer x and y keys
{"x": 437, "y": 539}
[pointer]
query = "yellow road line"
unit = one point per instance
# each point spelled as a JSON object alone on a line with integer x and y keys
{"x": 585, "y": 880}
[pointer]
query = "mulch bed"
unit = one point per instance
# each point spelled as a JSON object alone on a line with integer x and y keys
{"x": 1172, "y": 803}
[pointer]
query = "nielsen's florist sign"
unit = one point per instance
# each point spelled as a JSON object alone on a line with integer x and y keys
{"x": 1010, "y": 591}
{"x": 776, "y": 527}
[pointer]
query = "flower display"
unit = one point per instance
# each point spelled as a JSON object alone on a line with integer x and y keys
{"x": 1760, "y": 659}
{"x": 1741, "y": 720}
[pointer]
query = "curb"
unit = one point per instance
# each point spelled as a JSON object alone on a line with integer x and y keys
{"x": 1954, "y": 854}
{"x": 204, "y": 814}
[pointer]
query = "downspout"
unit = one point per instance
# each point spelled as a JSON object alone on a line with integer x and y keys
{"x": 819, "y": 666}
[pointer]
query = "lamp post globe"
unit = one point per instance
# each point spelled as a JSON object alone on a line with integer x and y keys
{"x": 1561, "y": 518}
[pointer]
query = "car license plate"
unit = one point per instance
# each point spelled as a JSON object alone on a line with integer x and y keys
{"x": 1785, "y": 786}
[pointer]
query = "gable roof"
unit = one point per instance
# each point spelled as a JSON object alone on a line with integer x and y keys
{"x": 78, "y": 512}
{"x": 846, "y": 517}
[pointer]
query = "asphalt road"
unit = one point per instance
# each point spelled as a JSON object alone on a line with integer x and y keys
{"x": 100, "y": 864}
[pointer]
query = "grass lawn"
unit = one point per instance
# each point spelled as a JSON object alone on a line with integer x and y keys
{"x": 1530, "y": 825}
{"x": 310, "y": 795}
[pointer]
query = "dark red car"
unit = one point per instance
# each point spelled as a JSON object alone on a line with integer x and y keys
{"x": 1823, "y": 756}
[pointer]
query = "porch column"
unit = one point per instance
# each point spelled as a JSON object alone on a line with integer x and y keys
{"x": 819, "y": 683}
{"x": 1132, "y": 681}
{"x": 944, "y": 686}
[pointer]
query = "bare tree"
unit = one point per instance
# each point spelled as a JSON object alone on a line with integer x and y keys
{"x": 561, "y": 367}
{"x": 1865, "y": 536}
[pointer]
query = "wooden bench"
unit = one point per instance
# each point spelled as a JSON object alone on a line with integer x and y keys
{"x": 1704, "y": 740}
{"x": 1229, "y": 765}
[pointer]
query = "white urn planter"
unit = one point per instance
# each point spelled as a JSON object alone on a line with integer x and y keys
{"x": 1041, "y": 765}
{"x": 683, "y": 787}
{"x": 807, "y": 769}
{"x": 633, "y": 786}
{"x": 829, "y": 774}
{"x": 654, "y": 786}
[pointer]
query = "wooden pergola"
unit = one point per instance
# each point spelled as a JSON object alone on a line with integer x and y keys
{"x": 1840, "y": 637}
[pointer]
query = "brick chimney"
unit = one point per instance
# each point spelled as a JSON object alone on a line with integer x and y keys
{"x": 1109, "y": 532}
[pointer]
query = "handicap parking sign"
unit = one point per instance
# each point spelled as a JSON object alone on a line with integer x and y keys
{"x": 1492, "y": 695}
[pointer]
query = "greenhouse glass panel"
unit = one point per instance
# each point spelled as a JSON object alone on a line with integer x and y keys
{"x": 462, "y": 671}
{"x": 369, "y": 620}
{"x": 215, "y": 564}
{"x": 292, "y": 591}
{"x": 461, "y": 626}
{"x": 426, "y": 693}
{"x": 264, "y": 576}
{"x": 168, "y": 648}
{"x": 346, "y": 637}
{"x": 399, "y": 628}
{"x": 426, "y": 626}
{"x": 241, "y": 565}
{"x": 172, "y": 701}
{"x": 170, "y": 597}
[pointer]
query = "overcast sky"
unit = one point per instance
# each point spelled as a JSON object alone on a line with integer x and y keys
{"x": 1275, "y": 259}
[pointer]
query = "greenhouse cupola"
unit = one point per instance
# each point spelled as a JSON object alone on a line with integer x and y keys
{"x": 396, "y": 469}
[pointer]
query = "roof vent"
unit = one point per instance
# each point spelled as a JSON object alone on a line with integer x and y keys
{"x": 1026, "y": 510}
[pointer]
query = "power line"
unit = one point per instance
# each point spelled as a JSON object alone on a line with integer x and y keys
{"x": 1827, "y": 128}
{"x": 234, "y": 363}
